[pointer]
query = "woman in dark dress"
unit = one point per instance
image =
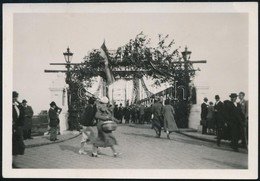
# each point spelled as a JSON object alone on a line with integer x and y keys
{"x": 104, "y": 139}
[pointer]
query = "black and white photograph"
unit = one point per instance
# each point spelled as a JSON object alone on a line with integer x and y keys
{"x": 130, "y": 90}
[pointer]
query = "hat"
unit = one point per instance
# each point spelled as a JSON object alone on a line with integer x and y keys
{"x": 15, "y": 94}
{"x": 217, "y": 97}
{"x": 53, "y": 104}
{"x": 104, "y": 100}
{"x": 24, "y": 101}
{"x": 233, "y": 95}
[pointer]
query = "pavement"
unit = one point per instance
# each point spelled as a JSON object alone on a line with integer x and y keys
{"x": 45, "y": 139}
{"x": 139, "y": 149}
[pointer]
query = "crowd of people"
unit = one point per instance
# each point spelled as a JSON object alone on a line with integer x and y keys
{"x": 227, "y": 120}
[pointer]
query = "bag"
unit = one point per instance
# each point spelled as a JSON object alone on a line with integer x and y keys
{"x": 109, "y": 126}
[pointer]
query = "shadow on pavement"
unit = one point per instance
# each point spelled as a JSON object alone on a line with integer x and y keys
{"x": 236, "y": 166}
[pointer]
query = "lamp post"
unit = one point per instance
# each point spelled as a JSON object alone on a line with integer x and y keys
{"x": 68, "y": 57}
{"x": 186, "y": 56}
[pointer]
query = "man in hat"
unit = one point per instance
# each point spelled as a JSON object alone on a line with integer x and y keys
{"x": 218, "y": 118}
{"x": 53, "y": 115}
{"x": 234, "y": 116}
{"x": 203, "y": 115}
{"x": 28, "y": 114}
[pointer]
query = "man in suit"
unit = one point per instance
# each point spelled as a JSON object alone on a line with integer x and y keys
{"x": 203, "y": 115}
{"x": 218, "y": 118}
{"x": 18, "y": 146}
{"x": 28, "y": 114}
{"x": 53, "y": 115}
{"x": 244, "y": 107}
{"x": 235, "y": 118}
{"x": 157, "y": 116}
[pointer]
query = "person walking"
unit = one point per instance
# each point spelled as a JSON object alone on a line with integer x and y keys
{"x": 104, "y": 139}
{"x": 28, "y": 114}
{"x": 53, "y": 115}
{"x": 169, "y": 121}
{"x": 234, "y": 115}
{"x": 18, "y": 146}
{"x": 141, "y": 111}
{"x": 157, "y": 116}
{"x": 87, "y": 121}
{"x": 219, "y": 119}
{"x": 203, "y": 115}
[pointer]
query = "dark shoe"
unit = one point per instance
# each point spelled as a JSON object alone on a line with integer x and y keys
{"x": 94, "y": 155}
{"x": 30, "y": 138}
{"x": 58, "y": 133}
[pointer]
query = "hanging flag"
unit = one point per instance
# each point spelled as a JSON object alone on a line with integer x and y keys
{"x": 109, "y": 75}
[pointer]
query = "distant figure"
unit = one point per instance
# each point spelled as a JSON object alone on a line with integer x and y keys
{"x": 133, "y": 118}
{"x": 87, "y": 121}
{"x": 127, "y": 114}
{"x": 53, "y": 115}
{"x": 157, "y": 116}
{"x": 120, "y": 113}
{"x": 28, "y": 114}
{"x": 203, "y": 115}
{"x": 219, "y": 118}
{"x": 244, "y": 107}
{"x": 141, "y": 112}
{"x": 58, "y": 110}
{"x": 234, "y": 115}
{"x": 116, "y": 114}
{"x": 169, "y": 121}
{"x": 18, "y": 146}
{"x": 210, "y": 121}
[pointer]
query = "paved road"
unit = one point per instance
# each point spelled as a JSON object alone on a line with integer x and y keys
{"x": 140, "y": 150}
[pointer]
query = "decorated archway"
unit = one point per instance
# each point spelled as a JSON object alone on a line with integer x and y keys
{"x": 138, "y": 59}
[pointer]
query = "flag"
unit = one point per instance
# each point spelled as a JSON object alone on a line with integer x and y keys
{"x": 109, "y": 75}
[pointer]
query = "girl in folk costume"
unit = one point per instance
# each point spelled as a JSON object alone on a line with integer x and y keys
{"x": 105, "y": 138}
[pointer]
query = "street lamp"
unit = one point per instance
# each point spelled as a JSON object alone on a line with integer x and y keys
{"x": 186, "y": 54}
{"x": 68, "y": 56}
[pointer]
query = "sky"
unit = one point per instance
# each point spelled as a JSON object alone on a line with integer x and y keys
{"x": 41, "y": 38}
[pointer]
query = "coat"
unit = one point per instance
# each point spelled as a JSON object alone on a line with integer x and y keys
{"x": 169, "y": 121}
{"x": 104, "y": 139}
{"x": 244, "y": 107}
{"x": 89, "y": 115}
{"x": 18, "y": 146}
{"x": 53, "y": 118}
{"x": 204, "y": 111}
{"x": 28, "y": 114}
{"x": 219, "y": 114}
